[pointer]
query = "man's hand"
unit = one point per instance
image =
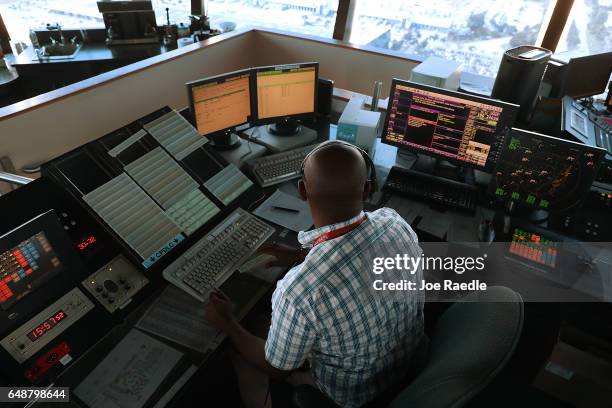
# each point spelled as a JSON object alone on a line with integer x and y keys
{"x": 285, "y": 255}
{"x": 219, "y": 310}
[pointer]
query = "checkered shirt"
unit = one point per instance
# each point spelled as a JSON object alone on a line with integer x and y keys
{"x": 358, "y": 342}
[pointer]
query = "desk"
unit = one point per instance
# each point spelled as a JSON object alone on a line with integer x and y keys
{"x": 250, "y": 294}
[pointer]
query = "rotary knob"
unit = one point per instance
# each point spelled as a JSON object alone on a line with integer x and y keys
{"x": 111, "y": 286}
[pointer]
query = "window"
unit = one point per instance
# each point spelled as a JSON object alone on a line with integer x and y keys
{"x": 588, "y": 29}
{"x": 315, "y": 17}
{"x": 473, "y": 32}
{"x": 179, "y": 11}
{"x": 22, "y": 15}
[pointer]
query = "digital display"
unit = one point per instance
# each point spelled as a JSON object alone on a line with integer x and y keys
{"x": 23, "y": 265}
{"x": 544, "y": 172}
{"x": 534, "y": 247}
{"x": 222, "y": 105}
{"x": 86, "y": 243}
{"x": 286, "y": 92}
{"x": 445, "y": 125}
{"x": 47, "y": 325}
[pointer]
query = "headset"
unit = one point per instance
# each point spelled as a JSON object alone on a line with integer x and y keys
{"x": 366, "y": 157}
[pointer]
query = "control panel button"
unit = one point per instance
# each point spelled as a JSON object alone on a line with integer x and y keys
{"x": 111, "y": 286}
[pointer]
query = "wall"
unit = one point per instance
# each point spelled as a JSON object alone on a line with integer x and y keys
{"x": 351, "y": 67}
{"x": 44, "y": 132}
{"x": 89, "y": 109}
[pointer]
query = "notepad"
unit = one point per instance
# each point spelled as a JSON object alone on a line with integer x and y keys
{"x": 295, "y": 221}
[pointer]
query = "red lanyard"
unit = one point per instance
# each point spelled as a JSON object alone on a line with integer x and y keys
{"x": 339, "y": 232}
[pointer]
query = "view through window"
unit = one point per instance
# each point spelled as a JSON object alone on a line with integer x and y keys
{"x": 22, "y": 15}
{"x": 474, "y": 32}
{"x": 315, "y": 17}
{"x": 588, "y": 30}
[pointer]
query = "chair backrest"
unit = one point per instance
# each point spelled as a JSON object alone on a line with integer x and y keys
{"x": 471, "y": 343}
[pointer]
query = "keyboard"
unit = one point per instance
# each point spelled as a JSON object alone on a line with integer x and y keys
{"x": 213, "y": 259}
{"x": 432, "y": 189}
{"x": 279, "y": 167}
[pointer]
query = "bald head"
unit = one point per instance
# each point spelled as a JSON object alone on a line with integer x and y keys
{"x": 335, "y": 179}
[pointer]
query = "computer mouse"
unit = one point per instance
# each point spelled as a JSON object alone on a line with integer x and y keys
{"x": 486, "y": 232}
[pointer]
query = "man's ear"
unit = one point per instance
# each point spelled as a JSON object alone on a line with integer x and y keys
{"x": 367, "y": 188}
{"x": 302, "y": 190}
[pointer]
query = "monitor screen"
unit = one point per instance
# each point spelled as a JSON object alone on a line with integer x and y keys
{"x": 286, "y": 90}
{"x": 461, "y": 128}
{"x": 544, "y": 172}
{"x": 221, "y": 103}
{"x": 23, "y": 265}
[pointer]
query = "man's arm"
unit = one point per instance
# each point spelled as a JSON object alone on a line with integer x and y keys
{"x": 251, "y": 347}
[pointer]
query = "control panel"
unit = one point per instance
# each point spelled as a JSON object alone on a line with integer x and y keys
{"x": 58, "y": 354}
{"x": 40, "y": 330}
{"x": 115, "y": 283}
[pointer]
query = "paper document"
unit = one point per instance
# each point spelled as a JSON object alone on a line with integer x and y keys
{"x": 130, "y": 374}
{"x": 287, "y": 211}
{"x": 177, "y": 316}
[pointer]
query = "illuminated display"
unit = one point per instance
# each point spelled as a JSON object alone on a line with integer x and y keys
{"x": 47, "y": 325}
{"x": 446, "y": 125}
{"x": 222, "y": 105}
{"x": 544, "y": 172}
{"x": 534, "y": 247}
{"x": 22, "y": 265}
{"x": 86, "y": 243}
{"x": 286, "y": 92}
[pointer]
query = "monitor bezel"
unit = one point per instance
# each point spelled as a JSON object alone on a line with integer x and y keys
{"x": 297, "y": 116}
{"x": 215, "y": 79}
{"x": 580, "y": 146}
{"x": 507, "y": 119}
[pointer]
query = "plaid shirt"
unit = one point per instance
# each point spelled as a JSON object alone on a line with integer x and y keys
{"x": 359, "y": 342}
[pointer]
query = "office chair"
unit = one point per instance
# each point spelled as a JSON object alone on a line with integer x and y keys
{"x": 471, "y": 343}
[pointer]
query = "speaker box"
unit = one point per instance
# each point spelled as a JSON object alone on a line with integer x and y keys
{"x": 519, "y": 77}
{"x": 325, "y": 92}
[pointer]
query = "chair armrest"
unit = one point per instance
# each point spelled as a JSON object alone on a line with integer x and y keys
{"x": 307, "y": 396}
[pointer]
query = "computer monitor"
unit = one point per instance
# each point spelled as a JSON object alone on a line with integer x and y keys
{"x": 221, "y": 104}
{"x": 285, "y": 94}
{"x": 29, "y": 258}
{"x": 460, "y": 128}
{"x": 586, "y": 76}
{"x": 543, "y": 172}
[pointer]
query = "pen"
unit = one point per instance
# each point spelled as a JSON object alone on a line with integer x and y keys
{"x": 285, "y": 209}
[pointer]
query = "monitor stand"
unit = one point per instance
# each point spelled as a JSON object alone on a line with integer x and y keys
{"x": 285, "y": 127}
{"x": 226, "y": 141}
{"x": 277, "y": 143}
{"x": 534, "y": 215}
{"x": 236, "y": 151}
{"x": 437, "y": 167}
